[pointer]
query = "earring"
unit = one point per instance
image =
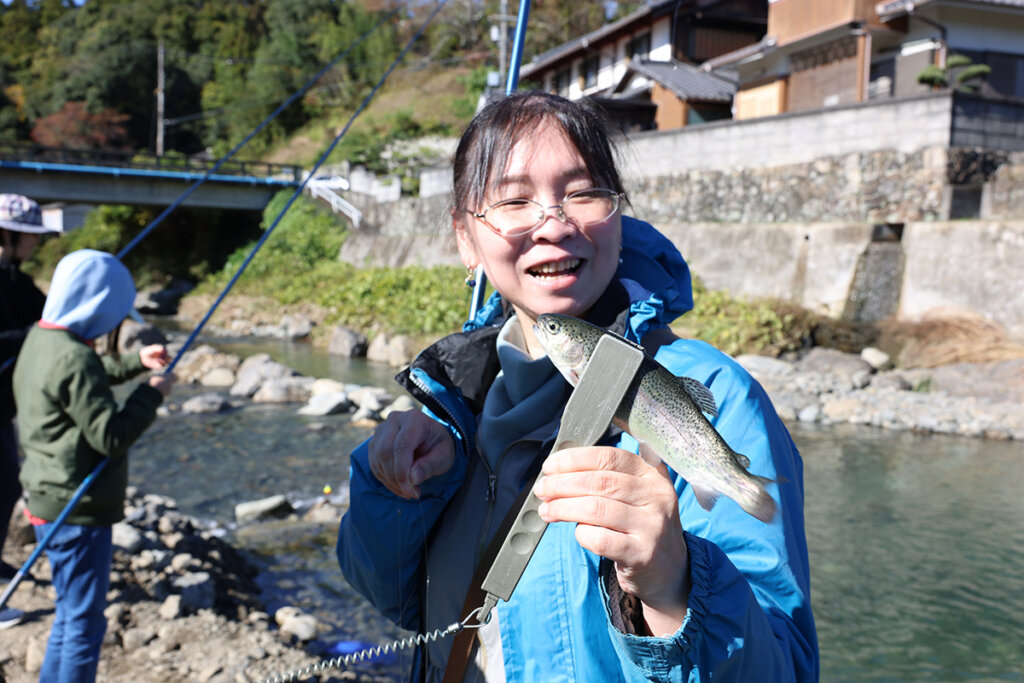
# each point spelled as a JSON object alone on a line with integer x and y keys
{"x": 470, "y": 276}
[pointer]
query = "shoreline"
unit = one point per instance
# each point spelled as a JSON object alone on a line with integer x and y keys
{"x": 183, "y": 605}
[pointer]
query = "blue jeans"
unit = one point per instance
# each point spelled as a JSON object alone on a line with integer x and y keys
{"x": 80, "y": 558}
{"x": 10, "y": 487}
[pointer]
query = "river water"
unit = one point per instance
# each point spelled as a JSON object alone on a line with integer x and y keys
{"x": 916, "y": 542}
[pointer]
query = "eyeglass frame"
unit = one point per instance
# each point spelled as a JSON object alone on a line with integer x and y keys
{"x": 616, "y": 197}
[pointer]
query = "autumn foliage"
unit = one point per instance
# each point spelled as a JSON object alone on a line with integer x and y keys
{"x": 75, "y": 126}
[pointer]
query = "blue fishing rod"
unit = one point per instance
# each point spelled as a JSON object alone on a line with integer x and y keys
{"x": 87, "y": 482}
{"x": 284, "y": 105}
{"x": 479, "y": 277}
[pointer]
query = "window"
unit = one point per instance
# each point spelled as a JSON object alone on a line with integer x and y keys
{"x": 561, "y": 82}
{"x": 639, "y": 46}
{"x": 591, "y": 65}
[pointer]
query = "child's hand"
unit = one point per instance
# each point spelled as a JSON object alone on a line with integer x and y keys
{"x": 163, "y": 383}
{"x": 154, "y": 356}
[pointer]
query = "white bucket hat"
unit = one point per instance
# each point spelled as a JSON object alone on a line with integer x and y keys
{"x": 18, "y": 212}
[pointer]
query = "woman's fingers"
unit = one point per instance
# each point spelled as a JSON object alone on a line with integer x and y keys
{"x": 407, "y": 449}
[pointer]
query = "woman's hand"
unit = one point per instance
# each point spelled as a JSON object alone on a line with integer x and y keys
{"x": 626, "y": 511}
{"x": 154, "y": 356}
{"x": 407, "y": 449}
{"x": 162, "y": 383}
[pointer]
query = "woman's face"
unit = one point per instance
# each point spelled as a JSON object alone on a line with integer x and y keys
{"x": 559, "y": 267}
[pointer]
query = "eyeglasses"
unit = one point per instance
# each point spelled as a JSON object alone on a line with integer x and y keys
{"x": 515, "y": 217}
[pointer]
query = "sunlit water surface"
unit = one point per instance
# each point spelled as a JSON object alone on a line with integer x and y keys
{"x": 916, "y": 542}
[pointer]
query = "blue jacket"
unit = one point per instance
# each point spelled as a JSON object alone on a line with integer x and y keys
{"x": 749, "y": 615}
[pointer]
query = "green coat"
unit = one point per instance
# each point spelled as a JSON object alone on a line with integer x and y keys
{"x": 68, "y": 421}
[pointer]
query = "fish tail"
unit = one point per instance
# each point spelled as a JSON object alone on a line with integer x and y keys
{"x": 760, "y": 503}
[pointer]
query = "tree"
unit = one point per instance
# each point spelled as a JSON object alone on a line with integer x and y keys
{"x": 73, "y": 126}
{"x": 959, "y": 71}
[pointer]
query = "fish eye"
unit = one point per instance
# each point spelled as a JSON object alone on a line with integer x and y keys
{"x": 552, "y": 326}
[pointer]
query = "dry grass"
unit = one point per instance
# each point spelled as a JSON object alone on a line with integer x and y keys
{"x": 944, "y": 336}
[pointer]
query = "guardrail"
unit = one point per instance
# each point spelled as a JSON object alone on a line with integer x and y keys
{"x": 127, "y": 159}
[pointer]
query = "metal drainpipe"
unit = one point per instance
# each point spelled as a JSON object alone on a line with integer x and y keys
{"x": 864, "y": 38}
{"x": 943, "y": 33}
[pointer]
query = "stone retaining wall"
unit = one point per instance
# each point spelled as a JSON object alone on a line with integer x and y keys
{"x": 789, "y": 207}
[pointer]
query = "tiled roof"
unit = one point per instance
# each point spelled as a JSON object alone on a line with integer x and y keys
{"x": 895, "y": 8}
{"x": 688, "y": 82}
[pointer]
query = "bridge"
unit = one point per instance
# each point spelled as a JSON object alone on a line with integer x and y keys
{"x": 52, "y": 174}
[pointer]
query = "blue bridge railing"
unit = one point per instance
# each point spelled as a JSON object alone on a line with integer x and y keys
{"x": 122, "y": 159}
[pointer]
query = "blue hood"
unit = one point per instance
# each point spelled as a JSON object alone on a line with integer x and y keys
{"x": 90, "y": 294}
{"x": 653, "y": 272}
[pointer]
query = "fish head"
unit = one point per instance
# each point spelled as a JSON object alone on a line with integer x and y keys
{"x": 569, "y": 342}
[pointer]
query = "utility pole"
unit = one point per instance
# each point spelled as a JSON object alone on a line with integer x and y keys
{"x": 160, "y": 99}
{"x": 503, "y": 42}
{"x": 499, "y": 34}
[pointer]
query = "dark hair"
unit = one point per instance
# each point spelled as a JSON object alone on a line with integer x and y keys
{"x": 487, "y": 142}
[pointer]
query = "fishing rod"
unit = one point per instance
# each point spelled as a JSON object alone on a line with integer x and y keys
{"x": 479, "y": 277}
{"x": 302, "y": 186}
{"x": 298, "y": 93}
{"x": 87, "y": 482}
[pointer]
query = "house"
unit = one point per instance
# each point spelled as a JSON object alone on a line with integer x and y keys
{"x": 641, "y": 68}
{"x": 821, "y": 54}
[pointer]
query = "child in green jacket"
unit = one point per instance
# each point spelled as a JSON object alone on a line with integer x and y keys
{"x": 68, "y": 422}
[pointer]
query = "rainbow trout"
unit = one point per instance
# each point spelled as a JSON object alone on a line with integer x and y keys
{"x": 665, "y": 414}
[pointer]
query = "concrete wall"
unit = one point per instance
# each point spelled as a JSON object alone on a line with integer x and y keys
{"x": 972, "y": 265}
{"x": 903, "y": 125}
{"x": 787, "y": 207}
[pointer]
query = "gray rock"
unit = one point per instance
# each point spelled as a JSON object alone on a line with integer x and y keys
{"x": 295, "y": 622}
{"x": 326, "y": 404}
{"x": 809, "y": 414}
{"x": 247, "y": 383}
{"x": 347, "y": 342}
{"x": 274, "y": 507}
{"x": 127, "y": 538}
{"x": 135, "y": 638}
{"x": 206, "y": 403}
{"x": 197, "y": 590}
{"x": 822, "y": 360}
{"x": 876, "y": 358}
{"x": 765, "y": 366}
{"x": 296, "y": 326}
{"x": 395, "y": 350}
{"x": 134, "y": 336}
{"x": 285, "y": 390}
{"x": 218, "y": 377}
{"x": 890, "y": 380}
{"x": 171, "y": 607}
{"x": 34, "y": 654}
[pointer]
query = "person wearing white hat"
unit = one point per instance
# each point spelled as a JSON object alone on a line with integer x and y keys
{"x": 21, "y": 305}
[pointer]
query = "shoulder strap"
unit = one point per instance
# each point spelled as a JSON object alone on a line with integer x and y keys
{"x": 462, "y": 644}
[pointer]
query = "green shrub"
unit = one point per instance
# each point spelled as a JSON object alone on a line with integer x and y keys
{"x": 763, "y": 326}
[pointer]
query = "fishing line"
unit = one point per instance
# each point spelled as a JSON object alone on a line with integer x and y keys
{"x": 298, "y": 93}
{"x": 480, "y": 278}
{"x": 301, "y": 187}
{"x": 370, "y": 653}
{"x": 87, "y": 482}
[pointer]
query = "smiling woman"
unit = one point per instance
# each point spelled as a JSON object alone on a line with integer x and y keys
{"x": 633, "y": 576}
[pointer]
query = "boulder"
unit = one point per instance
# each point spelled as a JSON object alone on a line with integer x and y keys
{"x": 272, "y": 507}
{"x": 347, "y": 342}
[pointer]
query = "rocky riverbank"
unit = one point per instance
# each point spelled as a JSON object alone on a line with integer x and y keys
{"x": 184, "y": 606}
{"x": 831, "y": 387}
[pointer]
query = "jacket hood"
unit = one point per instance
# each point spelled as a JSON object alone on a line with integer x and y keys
{"x": 90, "y": 294}
{"x": 652, "y": 271}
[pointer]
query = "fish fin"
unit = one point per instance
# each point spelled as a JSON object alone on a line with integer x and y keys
{"x": 763, "y": 505}
{"x": 649, "y": 455}
{"x": 743, "y": 460}
{"x": 700, "y": 394}
{"x": 705, "y": 497}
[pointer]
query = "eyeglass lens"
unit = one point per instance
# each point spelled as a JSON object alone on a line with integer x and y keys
{"x": 517, "y": 216}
